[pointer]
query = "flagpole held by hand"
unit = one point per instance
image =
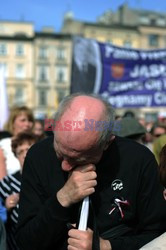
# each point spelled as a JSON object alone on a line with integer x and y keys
{"x": 84, "y": 214}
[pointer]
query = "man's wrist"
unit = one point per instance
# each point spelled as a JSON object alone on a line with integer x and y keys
{"x": 62, "y": 198}
{"x": 105, "y": 244}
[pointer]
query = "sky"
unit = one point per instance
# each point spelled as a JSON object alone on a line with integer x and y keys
{"x": 51, "y": 12}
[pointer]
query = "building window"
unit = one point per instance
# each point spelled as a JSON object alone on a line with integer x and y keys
{"x": 3, "y": 49}
{"x": 61, "y": 53}
{"x": 144, "y": 20}
{"x": 127, "y": 44}
{"x": 20, "y": 71}
{"x": 19, "y": 50}
{"x": 43, "y": 73}
{"x": 42, "y": 97}
{"x": 19, "y": 96}
{"x": 61, "y": 94}
{"x": 61, "y": 75}
{"x": 43, "y": 52}
{"x": 5, "y": 68}
{"x": 153, "y": 21}
{"x": 161, "y": 22}
{"x": 153, "y": 40}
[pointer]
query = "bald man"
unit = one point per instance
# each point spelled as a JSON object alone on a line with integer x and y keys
{"x": 84, "y": 158}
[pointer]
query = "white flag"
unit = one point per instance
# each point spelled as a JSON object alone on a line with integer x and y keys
{"x": 4, "y": 111}
{"x": 84, "y": 214}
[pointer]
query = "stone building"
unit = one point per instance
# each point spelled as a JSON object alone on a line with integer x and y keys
{"x": 38, "y": 64}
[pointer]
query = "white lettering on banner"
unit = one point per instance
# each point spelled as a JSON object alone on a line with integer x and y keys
{"x": 133, "y": 54}
{"x": 120, "y": 53}
{"x": 125, "y": 54}
{"x": 160, "y": 98}
{"x": 153, "y": 85}
{"x": 120, "y": 101}
{"x": 124, "y": 86}
{"x": 108, "y": 50}
{"x": 164, "y": 83}
{"x": 152, "y": 70}
{"x": 156, "y": 55}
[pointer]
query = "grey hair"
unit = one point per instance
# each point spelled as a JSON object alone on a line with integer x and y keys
{"x": 105, "y": 133}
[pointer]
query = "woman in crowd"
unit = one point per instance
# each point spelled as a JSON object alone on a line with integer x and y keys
{"x": 158, "y": 145}
{"x": 21, "y": 120}
{"x": 38, "y": 129}
{"x": 10, "y": 186}
{"x": 162, "y": 167}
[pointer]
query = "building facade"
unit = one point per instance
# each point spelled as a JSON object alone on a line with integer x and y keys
{"x": 52, "y": 60}
{"x": 16, "y": 56}
{"x": 38, "y": 64}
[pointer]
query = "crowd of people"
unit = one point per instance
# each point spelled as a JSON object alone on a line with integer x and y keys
{"x": 44, "y": 178}
{"x": 20, "y": 132}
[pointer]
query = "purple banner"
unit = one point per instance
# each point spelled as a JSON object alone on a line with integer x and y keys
{"x": 127, "y": 77}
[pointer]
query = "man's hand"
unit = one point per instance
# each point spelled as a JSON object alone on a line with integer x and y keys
{"x": 81, "y": 183}
{"x": 11, "y": 201}
{"x": 82, "y": 240}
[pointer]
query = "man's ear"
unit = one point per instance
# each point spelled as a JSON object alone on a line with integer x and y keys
{"x": 164, "y": 193}
{"x": 109, "y": 142}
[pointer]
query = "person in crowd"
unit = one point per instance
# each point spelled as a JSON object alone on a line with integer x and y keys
{"x": 129, "y": 127}
{"x": 162, "y": 117}
{"x": 21, "y": 119}
{"x": 157, "y": 146}
{"x": 129, "y": 114}
{"x": 162, "y": 168}
{"x": 38, "y": 129}
{"x": 4, "y": 134}
{"x": 118, "y": 117}
{"x": 159, "y": 242}
{"x": 84, "y": 158}
{"x": 157, "y": 130}
{"x": 2, "y": 236}
{"x": 10, "y": 186}
{"x": 154, "y": 130}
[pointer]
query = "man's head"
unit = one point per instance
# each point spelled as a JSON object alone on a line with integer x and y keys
{"x": 158, "y": 129}
{"x": 83, "y": 143}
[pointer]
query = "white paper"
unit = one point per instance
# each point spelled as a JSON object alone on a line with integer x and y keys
{"x": 158, "y": 243}
{"x": 84, "y": 214}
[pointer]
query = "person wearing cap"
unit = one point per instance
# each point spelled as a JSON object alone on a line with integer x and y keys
{"x": 162, "y": 117}
{"x": 130, "y": 127}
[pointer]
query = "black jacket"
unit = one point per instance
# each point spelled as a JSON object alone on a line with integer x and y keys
{"x": 127, "y": 171}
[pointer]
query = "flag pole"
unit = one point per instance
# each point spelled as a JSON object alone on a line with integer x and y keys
{"x": 4, "y": 110}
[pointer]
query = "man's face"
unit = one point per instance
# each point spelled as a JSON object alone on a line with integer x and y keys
{"x": 158, "y": 131}
{"x": 72, "y": 158}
